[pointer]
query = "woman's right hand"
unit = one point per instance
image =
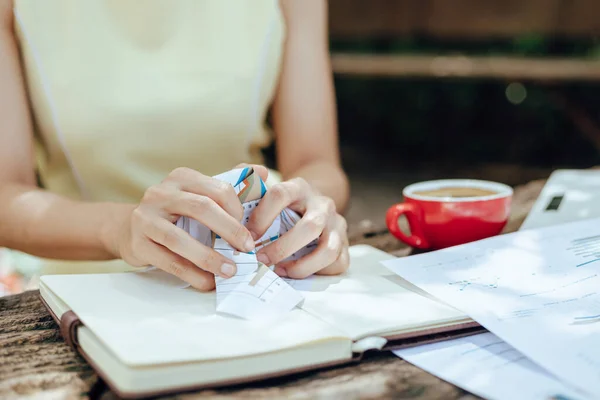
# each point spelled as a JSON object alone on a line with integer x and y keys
{"x": 149, "y": 237}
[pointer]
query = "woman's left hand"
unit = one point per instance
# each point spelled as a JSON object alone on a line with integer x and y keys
{"x": 319, "y": 220}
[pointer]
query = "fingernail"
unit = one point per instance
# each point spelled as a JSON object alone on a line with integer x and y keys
{"x": 227, "y": 270}
{"x": 249, "y": 244}
{"x": 255, "y": 235}
{"x": 263, "y": 259}
{"x": 282, "y": 272}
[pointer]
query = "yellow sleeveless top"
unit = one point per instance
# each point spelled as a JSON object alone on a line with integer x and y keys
{"x": 124, "y": 91}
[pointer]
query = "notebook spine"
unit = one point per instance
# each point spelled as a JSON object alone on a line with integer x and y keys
{"x": 433, "y": 336}
{"x": 69, "y": 322}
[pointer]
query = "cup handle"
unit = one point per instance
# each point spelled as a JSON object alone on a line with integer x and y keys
{"x": 413, "y": 215}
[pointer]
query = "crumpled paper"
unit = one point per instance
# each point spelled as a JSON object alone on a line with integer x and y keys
{"x": 255, "y": 291}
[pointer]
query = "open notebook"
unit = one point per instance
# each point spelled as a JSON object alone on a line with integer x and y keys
{"x": 145, "y": 335}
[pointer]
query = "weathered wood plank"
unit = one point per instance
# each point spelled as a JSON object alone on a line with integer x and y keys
{"x": 467, "y": 19}
{"x": 540, "y": 69}
{"x": 360, "y": 18}
{"x": 579, "y": 18}
{"x": 476, "y": 18}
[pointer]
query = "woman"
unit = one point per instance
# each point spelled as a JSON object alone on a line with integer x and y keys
{"x": 126, "y": 108}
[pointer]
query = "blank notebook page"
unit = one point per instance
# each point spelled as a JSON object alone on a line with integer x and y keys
{"x": 369, "y": 299}
{"x": 146, "y": 319}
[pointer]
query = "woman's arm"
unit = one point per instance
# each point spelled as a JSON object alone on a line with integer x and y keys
{"x": 32, "y": 220}
{"x": 304, "y": 114}
{"x": 45, "y": 224}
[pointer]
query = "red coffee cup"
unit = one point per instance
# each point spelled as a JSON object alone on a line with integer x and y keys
{"x": 450, "y": 212}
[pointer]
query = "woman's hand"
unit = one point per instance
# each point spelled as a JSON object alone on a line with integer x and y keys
{"x": 319, "y": 220}
{"x": 148, "y": 235}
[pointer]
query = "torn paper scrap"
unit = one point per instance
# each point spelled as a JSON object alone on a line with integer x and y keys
{"x": 256, "y": 295}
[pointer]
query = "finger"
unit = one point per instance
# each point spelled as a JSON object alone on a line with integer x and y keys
{"x": 309, "y": 228}
{"x": 343, "y": 262}
{"x": 339, "y": 266}
{"x": 327, "y": 252}
{"x": 261, "y": 170}
{"x": 180, "y": 242}
{"x": 274, "y": 201}
{"x": 221, "y": 192}
{"x": 176, "y": 265}
{"x": 208, "y": 212}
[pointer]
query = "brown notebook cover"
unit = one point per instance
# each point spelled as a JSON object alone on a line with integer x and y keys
{"x": 69, "y": 323}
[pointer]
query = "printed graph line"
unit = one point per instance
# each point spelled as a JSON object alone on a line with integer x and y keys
{"x": 245, "y": 294}
{"x": 587, "y": 239}
{"x": 464, "y": 284}
{"x": 588, "y": 317}
{"x": 267, "y": 288}
{"x": 587, "y": 262}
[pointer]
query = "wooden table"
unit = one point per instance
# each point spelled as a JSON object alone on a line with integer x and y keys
{"x": 36, "y": 363}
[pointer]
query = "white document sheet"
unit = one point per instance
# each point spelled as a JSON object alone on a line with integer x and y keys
{"x": 487, "y": 366}
{"x": 538, "y": 290}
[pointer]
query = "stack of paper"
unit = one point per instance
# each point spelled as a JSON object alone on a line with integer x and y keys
{"x": 537, "y": 290}
{"x": 489, "y": 367}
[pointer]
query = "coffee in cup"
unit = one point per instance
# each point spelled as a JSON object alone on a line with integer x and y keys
{"x": 449, "y": 212}
{"x": 456, "y": 191}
